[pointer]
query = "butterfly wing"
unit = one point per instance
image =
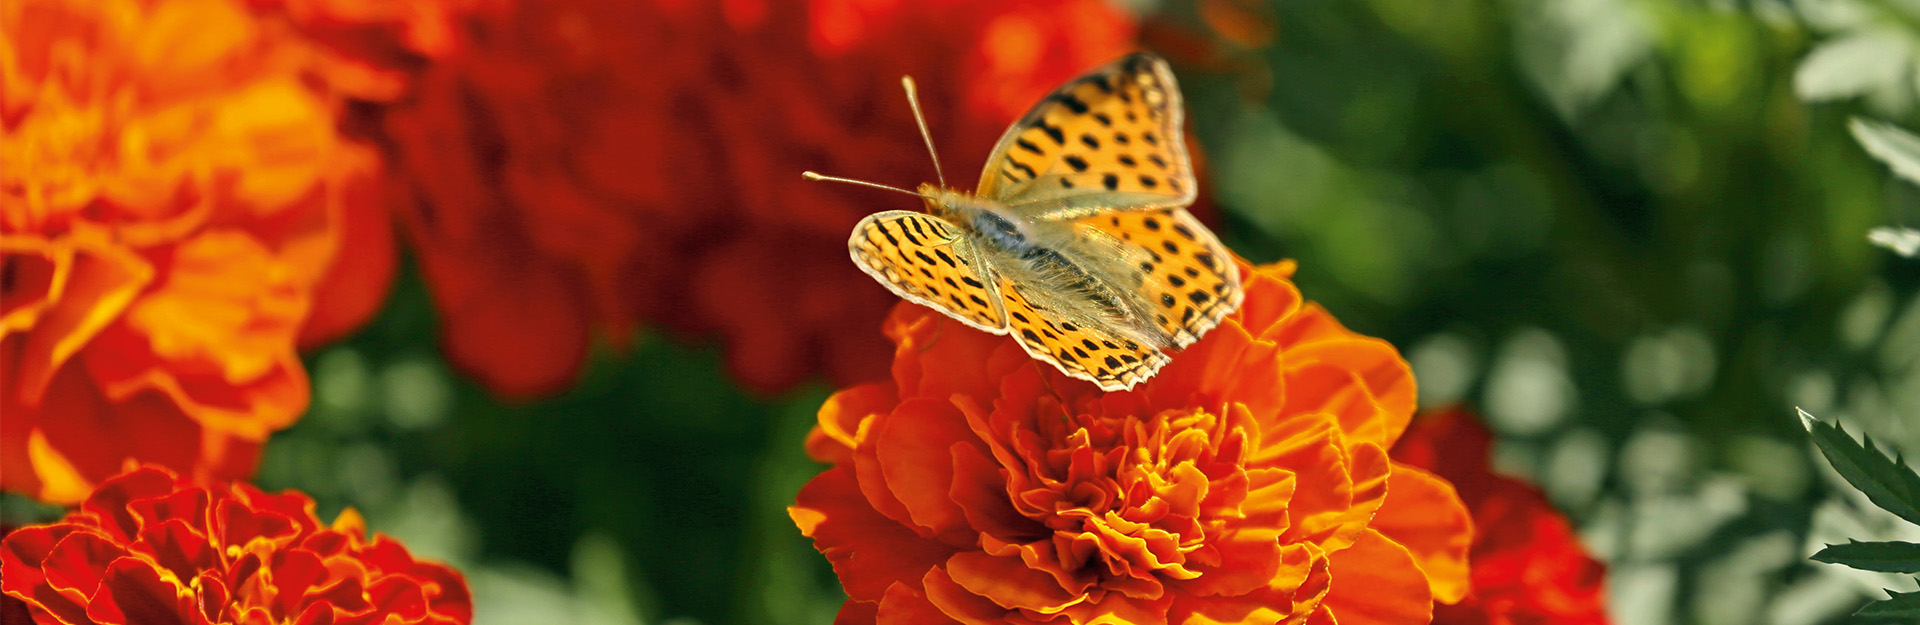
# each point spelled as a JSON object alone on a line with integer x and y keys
{"x": 1085, "y": 349}
{"x": 1109, "y": 140}
{"x": 928, "y": 261}
{"x": 1187, "y": 276}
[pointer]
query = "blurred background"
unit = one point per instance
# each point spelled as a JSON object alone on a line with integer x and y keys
{"x": 1633, "y": 235}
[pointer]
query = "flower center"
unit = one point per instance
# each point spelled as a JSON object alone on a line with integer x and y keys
{"x": 1127, "y": 497}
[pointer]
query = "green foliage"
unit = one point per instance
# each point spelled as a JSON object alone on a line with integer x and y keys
{"x": 1887, "y": 482}
{"x": 1901, "y": 605}
{"x": 1897, "y": 148}
{"x": 1884, "y": 557}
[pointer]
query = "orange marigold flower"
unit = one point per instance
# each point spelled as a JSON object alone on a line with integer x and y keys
{"x": 171, "y": 192}
{"x": 1528, "y": 567}
{"x": 583, "y": 166}
{"x": 150, "y": 547}
{"x": 1247, "y": 483}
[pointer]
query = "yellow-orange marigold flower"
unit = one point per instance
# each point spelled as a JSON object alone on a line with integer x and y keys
{"x": 1247, "y": 483}
{"x": 171, "y": 192}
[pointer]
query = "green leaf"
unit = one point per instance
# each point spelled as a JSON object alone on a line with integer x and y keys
{"x": 1885, "y": 557}
{"x": 1854, "y": 64}
{"x": 1897, "y": 148}
{"x": 1902, "y": 241}
{"x": 1888, "y": 483}
{"x": 1902, "y": 605}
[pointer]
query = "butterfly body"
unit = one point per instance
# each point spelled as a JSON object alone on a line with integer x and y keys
{"x": 1080, "y": 274}
{"x": 1077, "y": 241}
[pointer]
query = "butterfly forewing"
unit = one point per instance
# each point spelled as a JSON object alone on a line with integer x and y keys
{"x": 1082, "y": 350}
{"x": 1110, "y": 140}
{"x": 928, "y": 261}
{"x": 1187, "y": 276}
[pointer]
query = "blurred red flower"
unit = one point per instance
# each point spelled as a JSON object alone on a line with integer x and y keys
{"x": 1247, "y": 483}
{"x": 172, "y": 192}
{"x": 1528, "y": 567}
{"x": 576, "y": 168}
{"x": 150, "y": 547}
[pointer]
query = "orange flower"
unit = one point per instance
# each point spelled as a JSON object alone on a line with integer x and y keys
{"x": 171, "y": 193}
{"x": 582, "y": 166}
{"x": 370, "y": 50}
{"x": 1528, "y": 567}
{"x": 1247, "y": 483}
{"x": 150, "y": 547}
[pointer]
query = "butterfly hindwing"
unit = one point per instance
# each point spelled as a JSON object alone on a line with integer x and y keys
{"x": 1188, "y": 277}
{"x": 928, "y": 261}
{"x": 1110, "y": 140}
{"x": 1085, "y": 351}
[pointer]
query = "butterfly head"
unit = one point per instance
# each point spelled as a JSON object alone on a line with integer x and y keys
{"x": 942, "y": 201}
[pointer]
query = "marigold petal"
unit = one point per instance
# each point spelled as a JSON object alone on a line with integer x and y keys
{"x": 843, "y": 416}
{"x": 1009, "y": 582}
{"x": 981, "y": 493}
{"x": 485, "y": 335}
{"x": 92, "y": 283}
{"x": 75, "y": 566}
{"x": 1423, "y": 514}
{"x": 853, "y": 612}
{"x": 1377, "y": 582}
{"x": 916, "y": 464}
{"x": 1225, "y": 365}
{"x": 1323, "y": 495}
{"x": 1119, "y": 609}
{"x": 904, "y": 605}
{"x": 1270, "y": 299}
{"x": 1264, "y": 511}
{"x": 177, "y": 547}
{"x": 354, "y": 280}
{"x": 1309, "y": 598}
{"x": 957, "y": 603}
{"x": 111, "y": 500}
{"x": 35, "y": 275}
{"x": 1369, "y": 469}
{"x": 868, "y": 551}
{"x": 211, "y": 596}
{"x": 1361, "y": 380}
{"x": 931, "y": 338}
{"x": 22, "y": 553}
{"x": 59, "y": 479}
{"x": 132, "y": 592}
{"x": 1246, "y": 563}
{"x": 1297, "y": 581}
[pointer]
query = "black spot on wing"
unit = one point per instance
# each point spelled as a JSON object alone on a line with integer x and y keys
{"x": 1052, "y": 132}
{"x": 1073, "y": 104}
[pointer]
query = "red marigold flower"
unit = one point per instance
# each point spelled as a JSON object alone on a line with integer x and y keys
{"x": 171, "y": 193}
{"x": 582, "y": 166}
{"x": 150, "y": 547}
{"x": 1248, "y": 482}
{"x": 1528, "y": 567}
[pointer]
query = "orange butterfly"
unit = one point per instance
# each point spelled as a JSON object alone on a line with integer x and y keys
{"x": 1077, "y": 242}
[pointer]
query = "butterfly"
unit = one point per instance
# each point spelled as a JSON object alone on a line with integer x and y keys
{"x": 1077, "y": 242}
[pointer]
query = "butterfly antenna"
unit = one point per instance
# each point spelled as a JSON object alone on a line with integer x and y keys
{"x": 913, "y": 98}
{"x": 813, "y": 176}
